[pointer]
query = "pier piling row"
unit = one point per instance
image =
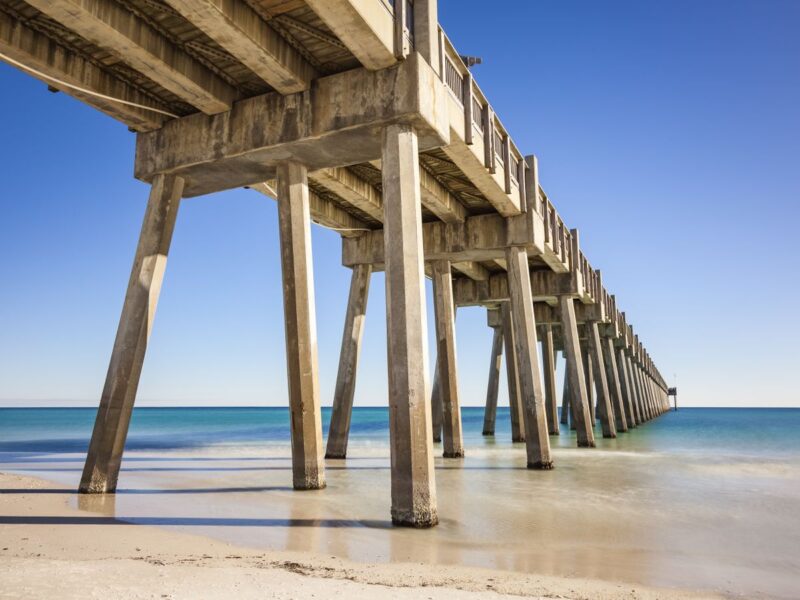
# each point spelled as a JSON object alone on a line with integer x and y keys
{"x": 359, "y": 116}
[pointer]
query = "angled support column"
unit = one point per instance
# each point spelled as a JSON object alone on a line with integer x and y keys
{"x": 339, "y": 431}
{"x": 294, "y": 221}
{"x": 589, "y": 374}
{"x": 103, "y": 460}
{"x": 603, "y": 395}
{"x": 640, "y": 387}
{"x": 437, "y": 409}
{"x": 612, "y": 376}
{"x": 512, "y": 374}
{"x": 633, "y": 388}
{"x": 530, "y": 378}
{"x": 565, "y": 397}
{"x": 413, "y": 479}
{"x": 490, "y": 414}
{"x": 445, "y": 314}
{"x": 625, "y": 384}
{"x": 577, "y": 381}
{"x": 549, "y": 365}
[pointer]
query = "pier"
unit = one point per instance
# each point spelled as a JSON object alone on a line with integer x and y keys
{"x": 360, "y": 116}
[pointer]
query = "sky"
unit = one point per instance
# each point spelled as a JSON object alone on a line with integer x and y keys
{"x": 668, "y": 133}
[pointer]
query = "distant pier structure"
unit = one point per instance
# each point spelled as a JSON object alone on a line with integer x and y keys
{"x": 361, "y": 116}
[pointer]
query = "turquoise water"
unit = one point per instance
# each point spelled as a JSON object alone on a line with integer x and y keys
{"x": 704, "y": 498}
{"x": 723, "y": 432}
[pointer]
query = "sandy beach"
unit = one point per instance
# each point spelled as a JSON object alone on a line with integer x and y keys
{"x": 58, "y": 551}
{"x": 646, "y": 516}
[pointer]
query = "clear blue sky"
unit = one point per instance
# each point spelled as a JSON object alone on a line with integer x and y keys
{"x": 668, "y": 133}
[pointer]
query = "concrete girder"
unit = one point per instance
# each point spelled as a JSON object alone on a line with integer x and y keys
{"x": 112, "y": 27}
{"x": 245, "y": 35}
{"x": 338, "y": 122}
{"x": 478, "y": 238}
{"x": 364, "y": 26}
{"x": 41, "y": 53}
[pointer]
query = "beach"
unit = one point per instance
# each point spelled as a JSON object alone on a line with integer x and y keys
{"x": 647, "y": 515}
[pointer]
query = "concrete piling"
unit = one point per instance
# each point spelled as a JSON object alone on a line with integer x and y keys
{"x": 512, "y": 374}
{"x": 339, "y": 430}
{"x": 294, "y": 220}
{"x": 577, "y": 381}
{"x": 549, "y": 366}
{"x": 413, "y": 487}
{"x": 444, "y": 310}
{"x": 101, "y": 471}
{"x": 490, "y": 413}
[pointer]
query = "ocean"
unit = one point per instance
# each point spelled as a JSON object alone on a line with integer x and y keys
{"x": 705, "y": 498}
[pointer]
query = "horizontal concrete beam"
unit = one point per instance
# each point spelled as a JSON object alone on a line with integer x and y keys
{"x": 478, "y": 238}
{"x": 38, "y": 51}
{"x": 545, "y": 286}
{"x": 337, "y": 122}
{"x": 352, "y": 189}
{"x": 366, "y": 27}
{"x": 245, "y": 35}
{"x": 108, "y": 25}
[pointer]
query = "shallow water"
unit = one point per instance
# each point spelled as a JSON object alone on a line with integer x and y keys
{"x": 700, "y": 498}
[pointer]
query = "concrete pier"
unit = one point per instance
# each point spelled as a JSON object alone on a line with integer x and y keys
{"x": 549, "y": 366}
{"x": 490, "y": 413}
{"x": 530, "y": 378}
{"x": 565, "y": 397}
{"x": 577, "y": 381}
{"x": 512, "y": 374}
{"x": 437, "y": 408}
{"x": 614, "y": 385}
{"x": 625, "y": 386}
{"x": 588, "y": 372}
{"x": 339, "y": 430}
{"x": 362, "y": 118}
{"x": 445, "y": 310}
{"x": 103, "y": 459}
{"x": 294, "y": 220}
{"x": 413, "y": 488}
{"x": 606, "y": 412}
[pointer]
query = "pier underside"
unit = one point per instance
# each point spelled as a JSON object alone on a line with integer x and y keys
{"x": 352, "y": 121}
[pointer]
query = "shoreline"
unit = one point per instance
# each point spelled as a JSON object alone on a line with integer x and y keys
{"x": 48, "y": 545}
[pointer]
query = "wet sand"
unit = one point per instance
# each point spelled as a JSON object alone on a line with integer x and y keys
{"x": 633, "y": 520}
{"x": 51, "y": 550}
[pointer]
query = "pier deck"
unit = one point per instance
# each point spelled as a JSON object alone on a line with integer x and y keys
{"x": 355, "y": 122}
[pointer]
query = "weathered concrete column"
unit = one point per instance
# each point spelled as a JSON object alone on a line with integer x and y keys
{"x": 530, "y": 378}
{"x": 437, "y": 410}
{"x": 577, "y": 381}
{"x": 445, "y": 312}
{"x": 294, "y": 221}
{"x": 612, "y": 376}
{"x": 103, "y": 460}
{"x": 603, "y": 395}
{"x": 413, "y": 479}
{"x": 565, "y": 396}
{"x": 339, "y": 430}
{"x": 512, "y": 374}
{"x": 589, "y": 374}
{"x": 647, "y": 394}
{"x": 426, "y": 31}
{"x": 625, "y": 384}
{"x": 490, "y": 414}
{"x": 634, "y": 389}
{"x": 640, "y": 387}
{"x": 549, "y": 365}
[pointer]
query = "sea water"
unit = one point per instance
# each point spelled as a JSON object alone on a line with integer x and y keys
{"x": 702, "y": 497}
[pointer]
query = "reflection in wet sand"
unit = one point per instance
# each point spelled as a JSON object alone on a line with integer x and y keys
{"x": 610, "y": 513}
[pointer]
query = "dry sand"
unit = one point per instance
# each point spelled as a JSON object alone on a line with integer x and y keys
{"x": 55, "y": 551}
